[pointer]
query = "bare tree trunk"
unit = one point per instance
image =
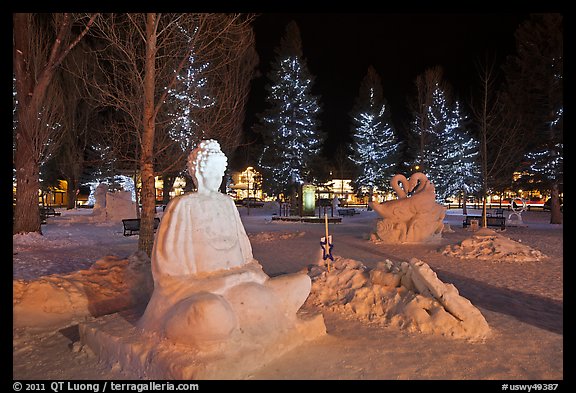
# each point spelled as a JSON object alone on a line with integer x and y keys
{"x": 33, "y": 136}
{"x": 143, "y": 92}
{"x": 464, "y": 209}
{"x": 370, "y": 198}
{"x": 168, "y": 181}
{"x": 555, "y": 212}
{"x": 300, "y": 201}
{"x": 71, "y": 192}
{"x": 26, "y": 212}
{"x": 484, "y": 147}
{"x": 146, "y": 238}
{"x": 500, "y": 138}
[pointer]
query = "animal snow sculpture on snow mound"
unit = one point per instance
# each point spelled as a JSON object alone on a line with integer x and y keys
{"x": 209, "y": 291}
{"x": 414, "y": 217}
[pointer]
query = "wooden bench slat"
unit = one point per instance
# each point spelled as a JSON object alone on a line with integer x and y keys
{"x": 132, "y": 225}
{"x": 491, "y": 221}
{"x": 497, "y": 213}
{"x": 49, "y": 211}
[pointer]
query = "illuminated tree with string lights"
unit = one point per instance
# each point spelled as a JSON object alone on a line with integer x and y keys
{"x": 441, "y": 125}
{"x": 458, "y": 163}
{"x": 187, "y": 105}
{"x": 289, "y": 126}
{"x": 375, "y": 144}
{"x": 188, "y": 97}
{"x": 449, "y": 155}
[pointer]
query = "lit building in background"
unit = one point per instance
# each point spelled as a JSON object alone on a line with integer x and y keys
{"x": 247, "y": 183}
{"x": 54, "y": 195}
{"x": 339, "y": 188}
{"x": 176, "y": 190}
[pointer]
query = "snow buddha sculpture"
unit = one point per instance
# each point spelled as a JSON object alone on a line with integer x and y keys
{"x": 209, "y": 291}
{"x": 201, "y": 232}
{"x": 414, "y": 217}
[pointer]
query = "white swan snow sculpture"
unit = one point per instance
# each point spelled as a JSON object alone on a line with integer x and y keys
{"x": 414, "y": 217}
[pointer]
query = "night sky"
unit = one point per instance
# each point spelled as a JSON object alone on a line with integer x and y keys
{"x": 339, "y": 48}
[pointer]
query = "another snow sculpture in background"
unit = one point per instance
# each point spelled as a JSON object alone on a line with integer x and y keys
{"x": 119, "y": 205}
{"x": 99, "y": 209}
{"x": 111, "y": 206}
{"x": 414, "y": 217}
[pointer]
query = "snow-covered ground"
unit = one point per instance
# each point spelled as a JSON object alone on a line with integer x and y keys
{"x": 521, "y": 301}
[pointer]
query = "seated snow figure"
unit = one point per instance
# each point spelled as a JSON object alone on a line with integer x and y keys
{"x": 209, "y": 291}
{"x": 414, "y": 217}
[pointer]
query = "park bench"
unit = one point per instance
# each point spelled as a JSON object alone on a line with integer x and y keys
{"x": 346, "y": 212}
{"x": 132, "y": 225}
{"x": 42, "y": 217}
{"x": 497, "y": 213}
{"x": 491, "y": 221}
{"x": 48, "y": 211}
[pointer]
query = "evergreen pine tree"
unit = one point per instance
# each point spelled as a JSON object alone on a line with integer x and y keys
{"x": 290, "y": 124}
{"x": 428, "y": 85}
{"x": 375, "y": 144}
{"x": 449, "y": 156}
{"x": 460, "y": 166}
{"x": 440, "y": 128}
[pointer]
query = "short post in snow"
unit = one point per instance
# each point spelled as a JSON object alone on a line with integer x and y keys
{"x": 326, "y": 244}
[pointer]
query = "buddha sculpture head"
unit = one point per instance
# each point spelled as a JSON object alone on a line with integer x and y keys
{"x": 207, "y": 164}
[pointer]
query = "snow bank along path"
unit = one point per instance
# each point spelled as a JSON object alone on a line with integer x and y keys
{"x": 407, "y": 296}
{"x": 111, "y": 284}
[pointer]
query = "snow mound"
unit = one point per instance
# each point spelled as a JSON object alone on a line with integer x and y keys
{"x": 407, "y": 296}
{"x": 111, "y": 284}
{"x": 23, "y": 241}
{"x": 82, "y": 219}
{"x": 486, "y": 244}
{"x": 272, "y": 236}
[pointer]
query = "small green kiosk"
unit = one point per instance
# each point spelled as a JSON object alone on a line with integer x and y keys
{"x": 308, "y": 199}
